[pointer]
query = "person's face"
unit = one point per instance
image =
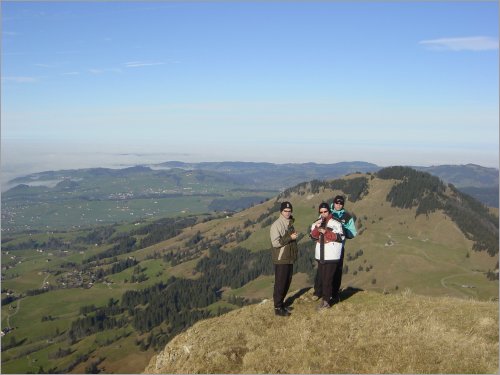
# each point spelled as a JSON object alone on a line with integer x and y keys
{"x": 287, "y": 213}
{"x": 338, "y": 206}
{"x": 324, "y": 212}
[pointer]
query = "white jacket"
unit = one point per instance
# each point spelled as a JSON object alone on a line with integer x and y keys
{"x": 332, "y": 248}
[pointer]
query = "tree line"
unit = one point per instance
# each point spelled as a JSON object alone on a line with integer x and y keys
{"x": 427, "y": 193}
{"x": 179, "y": 303}
{"x": 354, "y": 188}
{"x": 163, "y": 229}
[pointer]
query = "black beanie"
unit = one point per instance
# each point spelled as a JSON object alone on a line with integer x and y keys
{"x": 323, "y": 205}
{"x": 285, "y": 205}
{"x": 339, "y": 199}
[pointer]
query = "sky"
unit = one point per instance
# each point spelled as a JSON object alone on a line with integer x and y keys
{"x": 112, "y": 83}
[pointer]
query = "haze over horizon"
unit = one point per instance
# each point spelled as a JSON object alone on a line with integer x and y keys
{"x": 123, "y": 160}
{"x": 409, "y": 83}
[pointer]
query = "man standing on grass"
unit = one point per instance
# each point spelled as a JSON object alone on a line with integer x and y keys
{"x": 284, "y": 254}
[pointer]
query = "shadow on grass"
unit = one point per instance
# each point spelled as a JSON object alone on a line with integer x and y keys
{"x": 344, "y": 294}
{"x": 291, "y": 299}
{"x": 348, "y": 292}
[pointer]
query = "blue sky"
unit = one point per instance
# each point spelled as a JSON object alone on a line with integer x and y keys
{"x": 390, "y": 83}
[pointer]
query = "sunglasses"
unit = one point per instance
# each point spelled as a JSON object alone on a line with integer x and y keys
{"x": 339, "y": 202}
{"x": 323, "y": 212}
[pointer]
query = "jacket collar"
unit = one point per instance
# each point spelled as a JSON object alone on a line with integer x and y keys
{"x": 339, "y": 213}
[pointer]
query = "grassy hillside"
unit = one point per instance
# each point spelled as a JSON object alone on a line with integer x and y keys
{"x": 427, "y": 253}
{"x": 366, "y": 333}
{"x": 50, "y": 280}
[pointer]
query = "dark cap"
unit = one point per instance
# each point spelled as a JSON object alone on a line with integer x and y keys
{"x": 323, "y": 205}
{"x": 339, "y": 199}
{"x": 285, "y": 205}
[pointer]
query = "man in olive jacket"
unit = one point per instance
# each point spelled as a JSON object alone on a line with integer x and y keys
{"x": 284, "y": 253}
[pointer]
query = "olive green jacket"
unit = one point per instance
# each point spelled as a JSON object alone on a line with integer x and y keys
{"x": 284, "y": 249}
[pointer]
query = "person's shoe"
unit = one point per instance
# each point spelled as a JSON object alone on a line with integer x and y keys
{"x": 334, "y": 300}
{"x": 316, "y": 297}
{"x": 288, "y": 308}
{"x": 281, "y": 311}
{"x": 323, "y": 305}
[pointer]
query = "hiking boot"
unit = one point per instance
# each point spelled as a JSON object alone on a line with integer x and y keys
{"x": 281, "y": 311}
{"x": 288, "y": 308}
{"x": 335, "y": 300}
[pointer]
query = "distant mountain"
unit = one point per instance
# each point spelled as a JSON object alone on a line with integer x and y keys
{"x": 480, "y": 182}
{"x": 475, "y": 180}
{"x": 275, "y": 176}
{"x": 79, "y": 197}
{"x": 468, "y": 175}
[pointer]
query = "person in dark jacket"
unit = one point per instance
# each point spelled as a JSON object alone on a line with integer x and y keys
{"x": 349, "y": 228}
{"x": 284, "y": 254}
{"x": 347, "y": 220}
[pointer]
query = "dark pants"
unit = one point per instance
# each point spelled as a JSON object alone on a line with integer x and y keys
{"x": 282, "y": 280}
{"x": 337, "y": 280}
{"x": 326, "y": 273}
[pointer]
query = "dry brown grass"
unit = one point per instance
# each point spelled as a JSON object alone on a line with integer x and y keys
{"x": 365, "y": 333}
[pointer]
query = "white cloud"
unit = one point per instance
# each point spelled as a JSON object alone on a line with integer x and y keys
{"x": 48, "y": 66}
{"x": 473, "y": 43}
{"x": 136, "y": 64}
{"x": 102, "y": 71}
{"x": 19, "y": 79}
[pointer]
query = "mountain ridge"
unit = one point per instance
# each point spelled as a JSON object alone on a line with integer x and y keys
{"x": 229, "y": 186}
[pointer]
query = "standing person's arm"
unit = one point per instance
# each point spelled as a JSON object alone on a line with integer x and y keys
{"x": 350, "y": 228}
{"x": 315, "y": 230}
{"x": 281, "y": 237}
{"x": 275, "y": 236}
{"x": 330, "y": 236}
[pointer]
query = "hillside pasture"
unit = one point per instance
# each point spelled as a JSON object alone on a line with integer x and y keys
{"x": 394, "y": 252}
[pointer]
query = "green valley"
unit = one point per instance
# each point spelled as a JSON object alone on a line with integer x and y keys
{"x": 106, "y": 298}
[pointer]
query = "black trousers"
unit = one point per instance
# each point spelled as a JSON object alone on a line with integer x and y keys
{"x": 282, "y": 280}
{"x": 326, "y": 273}
{"x": 337, "y": 280}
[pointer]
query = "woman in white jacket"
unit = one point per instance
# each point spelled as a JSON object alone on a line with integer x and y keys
{"x": 328, "y": 233}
